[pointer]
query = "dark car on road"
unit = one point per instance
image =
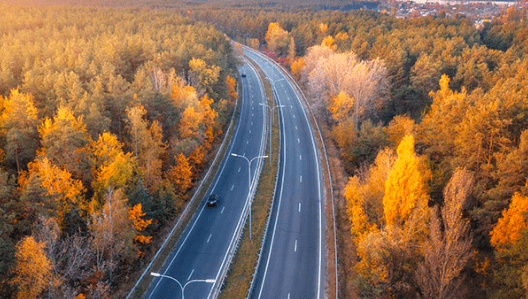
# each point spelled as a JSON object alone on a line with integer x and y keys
{"x": 213, "y": 200}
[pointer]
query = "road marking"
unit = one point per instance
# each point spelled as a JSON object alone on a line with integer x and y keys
{"x": 190, "y": 274}
{"x": 288, "y": 295}
{"x": 298, "y": 140}
{"x": 295, "y": 248}
{"x": 296, "y": 128}
{"x": 239, "y": 169}
{"x": 251, "y": 123}
{"x": 293, "y": 115}
{"x": 301, "y": 179}
{"x": 249, "y": 131}
{"x": 247, "y": 141}
{"x": 252, "y": 107}
{"x": 208, "y": 239}
{"x": 300, "y": 157}
{"x": 251, "y": 114}
{"x": 291, "y": 106}
{"x": 221, "y": 212}
{"x": 232, "y": 187}
{"x": 299, "y": 207}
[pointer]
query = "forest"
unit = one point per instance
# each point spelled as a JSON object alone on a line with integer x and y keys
{"x": 107, "y": 118}
{"x": 430, "y": 118}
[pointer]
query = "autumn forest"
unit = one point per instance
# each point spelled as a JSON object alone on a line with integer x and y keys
{"x": 109, "y": 116}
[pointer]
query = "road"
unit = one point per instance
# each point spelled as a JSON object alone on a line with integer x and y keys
{"x": 202, "y": 251}
{"x": 293, "y": 264}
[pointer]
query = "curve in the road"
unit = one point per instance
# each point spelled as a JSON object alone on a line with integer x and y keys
{"x": 293, "y": 259}
{"x": 203, "y": 252}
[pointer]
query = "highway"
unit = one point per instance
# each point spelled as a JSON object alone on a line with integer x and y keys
{"x": 293, "y": 257}
{"x": 199, "y": 259}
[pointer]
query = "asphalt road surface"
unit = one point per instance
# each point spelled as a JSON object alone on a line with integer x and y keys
{"x": 201, "y": 252}
{"x": 293, "y": 264}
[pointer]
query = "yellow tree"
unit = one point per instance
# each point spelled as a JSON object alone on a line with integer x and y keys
{"x": 329, "y": 42}
{"x": 136, "y": 214}
{"x": 112, "y": 168}
{"x": 231, "y": 88}
{"x": 297, "y": 67}
{"x": 190, "y": 123}
{"x": 64, "y": 140}
{"x": 181, "y": 173}
{"x": 406, "y": 189}
{"x": 209, "y": 121}
{"x": 18, "y": 123}
{"x": 399, "y": 127}
{"x": 513, "y": 222}
{"x": 33, "y": 268}
{"x": 341, "y": 106}
{"x": 148, "y": 145}
{"x": 67, "y": 192}
{"x": 364, "y": 194}
{"x": 277, "y": 39}
{"x": 510, "y": 240}
{"x": 203, "y": 75}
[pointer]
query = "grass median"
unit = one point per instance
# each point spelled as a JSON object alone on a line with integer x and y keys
{"x": 242, "y": 268}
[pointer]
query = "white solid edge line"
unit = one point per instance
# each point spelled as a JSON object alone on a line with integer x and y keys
{"x": 229, "y": 150}
{"x": 248, "y": 197}
{"x": 276, "y": 216}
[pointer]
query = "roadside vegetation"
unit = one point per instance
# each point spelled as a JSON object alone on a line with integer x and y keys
{"x": 428, "y": 119}
{"x": 108, "y": 118}
{"x": 425, "y": 120}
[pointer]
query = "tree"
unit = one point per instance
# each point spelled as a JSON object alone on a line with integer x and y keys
{"x": 181, "y": 174}
{"x": 19, "y": 123}
{"x": 277, "y": 39}
{"x": 64, "y": 140}
{"x": 140, "y": 224}
{"x": 364, "y": 194}
{"x": 509, "y": 237}
{"x": 296, "y": 67}
{"x": 33, "y": 268}
{"x": 292, "y": 53}
{"x": 406, "y": 190}
{"x": 365, "y": 82}
{"x": 147, "y": 144}
{"x": 202, "y": 75}
{"x": 448, "y": 248}
{"x": 66, "y": 192}
{"x": 399, "y": 127}
{"x": 231, "y": 88}
{"x": 513, "y": 222}
{"x": 112, "y": 231}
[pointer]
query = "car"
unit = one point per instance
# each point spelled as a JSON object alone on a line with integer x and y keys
{"x": 243, "y": 75}
{"x": 213, "y": 200}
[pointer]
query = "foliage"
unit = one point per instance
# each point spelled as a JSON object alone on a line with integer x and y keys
{"x": 33, "y": 269}
{"x": 91, "y": 115}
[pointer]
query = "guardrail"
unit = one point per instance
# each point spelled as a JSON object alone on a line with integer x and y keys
{"x": 189, "y": 204}
{"x": 307, "y": 105}
{"x": 268, "y": 219}
{"x": 235, "y": 241}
